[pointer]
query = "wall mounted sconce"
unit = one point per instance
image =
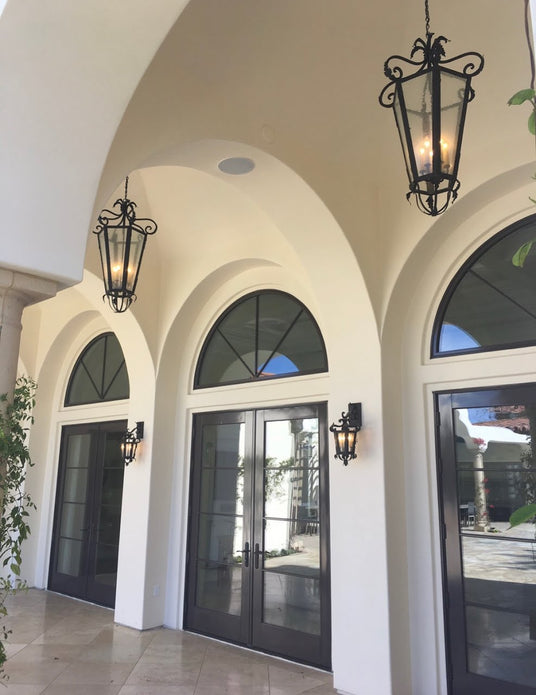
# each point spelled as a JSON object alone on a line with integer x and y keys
{"x": 122, "y": 239}
{"x": 345, "y": 434}
{"x": 129, "y": 443}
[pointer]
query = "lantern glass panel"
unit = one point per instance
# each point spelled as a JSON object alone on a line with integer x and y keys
{"x": 340, "y": 442}
{"x": 116, "y": 248}
{"x": 137, "y": 245}
{"x": 418, "y": 98}
{"x": 453, "y": 88}
{"x": 401, "y": 124}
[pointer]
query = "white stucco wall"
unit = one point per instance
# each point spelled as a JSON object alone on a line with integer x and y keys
{"x": 67, "y": 70}
{"x": 410, "y": 380}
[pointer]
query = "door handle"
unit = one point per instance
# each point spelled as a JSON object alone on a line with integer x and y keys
{"x": 258, "y": 552}
{"x": 245, "y": 553}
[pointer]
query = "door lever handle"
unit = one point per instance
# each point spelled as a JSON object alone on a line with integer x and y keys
{"x": 245, "y": 553}
{"x": 258, "y": 552}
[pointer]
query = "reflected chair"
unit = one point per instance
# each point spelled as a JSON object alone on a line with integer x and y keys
{"x": 471, "y": 513}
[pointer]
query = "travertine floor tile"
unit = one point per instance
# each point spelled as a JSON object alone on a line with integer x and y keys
{"x": 17, "y": 689}
{"x": 57, "y": 689}
{"x": 95, "y": 673}
{"x": 72, "y": 648}
{"x": 157, "y": 690}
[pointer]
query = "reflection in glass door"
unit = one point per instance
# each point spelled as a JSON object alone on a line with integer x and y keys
{"x": 218, "y": 553}
{"x": 88, "y": 512}
{"x": 486, "y": 473}
{"x": 258, "y": 545}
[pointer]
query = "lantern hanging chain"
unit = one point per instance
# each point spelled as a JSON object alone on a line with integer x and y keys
{"x": 126, "y": 187}
{"x": 427, "y": 25}
{"x": 427, "y": 17}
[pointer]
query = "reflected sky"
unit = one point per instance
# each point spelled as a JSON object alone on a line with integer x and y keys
{"x": 455, "y": 338}
{"x": 280, "y": 364}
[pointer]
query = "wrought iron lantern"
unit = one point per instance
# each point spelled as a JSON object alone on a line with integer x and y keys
{"x": 122, "y": 238}
{"x": 129, "y": 442}
{"x": 345, "y": 433}
{"x": 429, "y": 106}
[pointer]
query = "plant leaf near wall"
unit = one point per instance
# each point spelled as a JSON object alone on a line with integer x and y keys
{"x": 520, "y": 98}
{"x": 522, "y": 515}
{"x": 15, "y": 421}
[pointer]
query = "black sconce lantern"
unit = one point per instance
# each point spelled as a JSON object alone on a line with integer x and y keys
{"x": 129, "y": 443}
{"x": 122, "y": 240}
{"x": 345, "y": 434}
{"x": 429, "y": 107}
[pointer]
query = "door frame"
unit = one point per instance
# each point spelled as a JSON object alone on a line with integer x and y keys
{"x": 459, "y": 680}
{"x": 243, "y": 629}
{"x": 93, "y": 592}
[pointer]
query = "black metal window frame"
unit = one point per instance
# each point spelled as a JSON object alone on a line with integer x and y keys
{"x": 464, "y": 269}
{"x": 258, "y": 376}
{"x": 102, "y": 389}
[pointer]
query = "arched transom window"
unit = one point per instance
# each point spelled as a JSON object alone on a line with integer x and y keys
{"x": 100, "y": 373}
{"x": 264, "y": 335}
{"x": 491, "y": 302}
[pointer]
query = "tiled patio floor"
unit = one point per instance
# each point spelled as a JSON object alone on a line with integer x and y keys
{"x": 60, "y": 646}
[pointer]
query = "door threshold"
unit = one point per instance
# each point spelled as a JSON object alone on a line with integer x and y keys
{"x": 251, "y": 650}
{"x": 80, "y": 600}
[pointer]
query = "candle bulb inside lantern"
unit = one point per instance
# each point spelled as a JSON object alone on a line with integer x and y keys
{"x": 445, "y": 156}
{"x": 424, "y": 156}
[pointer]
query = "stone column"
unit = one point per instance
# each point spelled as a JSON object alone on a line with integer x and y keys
{"x": 481, "y": 503}
{"x": 17, "y": 290}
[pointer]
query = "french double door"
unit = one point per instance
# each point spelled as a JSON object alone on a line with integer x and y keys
{"x": 87, "y": 515}
{"x": 258, "y": 556}
{"x": 487, "y": 472}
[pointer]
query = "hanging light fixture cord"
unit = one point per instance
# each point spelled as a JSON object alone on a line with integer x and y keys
{"x": 529, "y": 43}
{"x": 126, "y": 187}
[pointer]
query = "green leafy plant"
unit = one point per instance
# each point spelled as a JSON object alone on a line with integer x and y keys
{"x": 522, "y": 97}
{"x": 525, "y": 96}
{"x": 519, "y": 257}
{"x": 522, "y": 515}
{"x": 15, "y": 421}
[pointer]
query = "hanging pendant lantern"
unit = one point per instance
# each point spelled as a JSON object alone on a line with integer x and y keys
{"x": 122, "y": 240}
{"x": 430, "y": 105}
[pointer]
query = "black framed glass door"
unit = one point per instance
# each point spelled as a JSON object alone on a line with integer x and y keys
{"x": 486, "y": 472}
{"x": 258, "y": 570}
{"x": 87, "y": 515}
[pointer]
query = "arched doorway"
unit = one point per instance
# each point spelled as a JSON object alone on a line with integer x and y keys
{"x": 486, "y": 474}
{"x": 87, "y": 518}
{"x": 258, "y": 550}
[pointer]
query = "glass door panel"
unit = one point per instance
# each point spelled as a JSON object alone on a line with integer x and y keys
{"x": 72, "y": 529}
{"x": 88, "y": 512}
{"x": 258, "y": 542}
{"x": 218, "y": 584}
{"x": 219, "y": 573}
{"x": 488, "y": 473}
{"x": 104, "y": 551}
{"x": 291, "y": 578}
{"x": 291, "y": 525}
